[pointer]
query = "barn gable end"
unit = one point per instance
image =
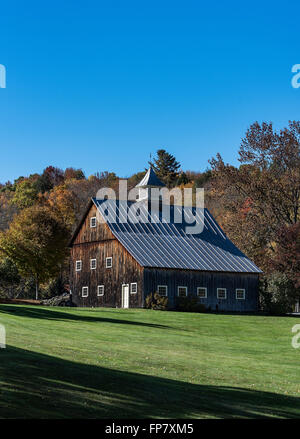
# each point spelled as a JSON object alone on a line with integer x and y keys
{"x": 99, "y": 243}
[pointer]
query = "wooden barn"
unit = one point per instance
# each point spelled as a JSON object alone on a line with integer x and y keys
{"x": 117, "y": 263}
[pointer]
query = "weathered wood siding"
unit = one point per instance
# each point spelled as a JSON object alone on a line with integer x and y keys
{"x": 99, "y": 243}
{"x": 211, "y": 280}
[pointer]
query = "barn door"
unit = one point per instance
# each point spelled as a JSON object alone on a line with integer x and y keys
{"x": 125, "y": 296}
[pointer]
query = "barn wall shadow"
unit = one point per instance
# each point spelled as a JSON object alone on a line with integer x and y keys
{"x": 35, "y": 385}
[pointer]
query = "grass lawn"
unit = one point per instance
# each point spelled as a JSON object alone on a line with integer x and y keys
{"x": 105, "y": 363}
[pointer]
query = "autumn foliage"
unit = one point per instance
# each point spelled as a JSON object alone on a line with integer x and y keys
{"x": 256, "y": 203}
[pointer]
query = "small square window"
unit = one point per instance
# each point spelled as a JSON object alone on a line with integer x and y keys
{"x": 85, "y": 291}
{"x": 133, "y": 288}
{"x": 78, "y": 265}
{"x": 109, "y": 262}
{"x": 93, "y": 263}
{"x": 182, "y": 291}
{"x": 202, "y": 292}
{"x": 221, "y": 293}
{"x": 93, "y": 221}
{"x": 100, "y": 291}
{"x": 162, "y": 290}
{"x": 240, "y": 294}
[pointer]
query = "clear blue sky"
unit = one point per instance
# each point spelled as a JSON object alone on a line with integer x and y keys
{"x": 99, "y": 85}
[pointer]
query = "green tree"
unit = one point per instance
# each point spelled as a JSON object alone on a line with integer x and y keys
{"x": 36, "y": 242}
{"x": 43, "y": 183}
{"x": 26, "y": 194}
{"x": 202, "y": 178}
{"x": 166, "y": 167}
{"x": 9, "y": 276}
{"x": 182, "y": 179}
{"x": 277, "y": 293}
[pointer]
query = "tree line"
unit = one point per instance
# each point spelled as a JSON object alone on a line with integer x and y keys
{"x": 256, "y": 203}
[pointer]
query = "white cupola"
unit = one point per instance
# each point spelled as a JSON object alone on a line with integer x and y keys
{"x": 149, "y": 181}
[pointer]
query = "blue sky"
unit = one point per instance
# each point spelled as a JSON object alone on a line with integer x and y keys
{"x": 99, "y": 85}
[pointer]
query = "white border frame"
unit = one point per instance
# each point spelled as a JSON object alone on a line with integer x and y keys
{"x": 202, "y": 288}
{"x": 100, "y": 295}
{"x": 91, "y": 222}
{"x": 164, "y": 286}
{"x": 240, "y": 289}
{"x": 86, "y": 295}
{"x": 109, "y": 257}
{"x": 221, "y": 298}
{"x": 93, "y": 259}
{"x": 78, "y": 269}
{"x": 133, "y": 292}
{"x": 186, "y": 290}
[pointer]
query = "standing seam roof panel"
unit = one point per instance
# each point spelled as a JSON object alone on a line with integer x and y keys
{"x": 167, "y": 245}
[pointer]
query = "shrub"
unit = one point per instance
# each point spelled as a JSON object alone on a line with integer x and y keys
{"x": 155, "y": 301}
{"x": 64, "y": 300}
{"x": 190, "y": 304}
{"x": 277, "y": 294}
{"x": 56, "y": 287}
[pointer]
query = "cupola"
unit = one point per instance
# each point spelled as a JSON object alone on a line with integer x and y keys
{"x": 149, "y": 181}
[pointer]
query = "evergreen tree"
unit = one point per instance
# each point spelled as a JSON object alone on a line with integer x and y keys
{"x": 166, "y": 167}
{"x": 182, "y": 179}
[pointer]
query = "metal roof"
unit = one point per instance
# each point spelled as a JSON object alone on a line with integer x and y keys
{"x": 150, "y": 179}
{"x": 167, "y": 245}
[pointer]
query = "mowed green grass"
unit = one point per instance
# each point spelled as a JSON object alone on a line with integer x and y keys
{"x": 109, "y": 363}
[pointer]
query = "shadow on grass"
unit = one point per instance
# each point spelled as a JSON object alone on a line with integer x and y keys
{"x": 35, "y": 385}
{"x": 51, "y": 314}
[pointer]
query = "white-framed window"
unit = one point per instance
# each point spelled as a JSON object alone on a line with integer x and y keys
{"x": 78, "y": 265}
{"x": 182, "y": 291}
{"x": 85, "y": 291}
{"x": 202, "y": 292}
{"x": 133, "y": 288}
{"x": 93, "y": 221}
{"x": 100, "y": 290}
{"x": 221, "y": 293}
{"x": 240, "y": 294}
{"x": 93, "y": 264}
{"x": 162, "y": 290}
{"x": 108, "y": 262}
